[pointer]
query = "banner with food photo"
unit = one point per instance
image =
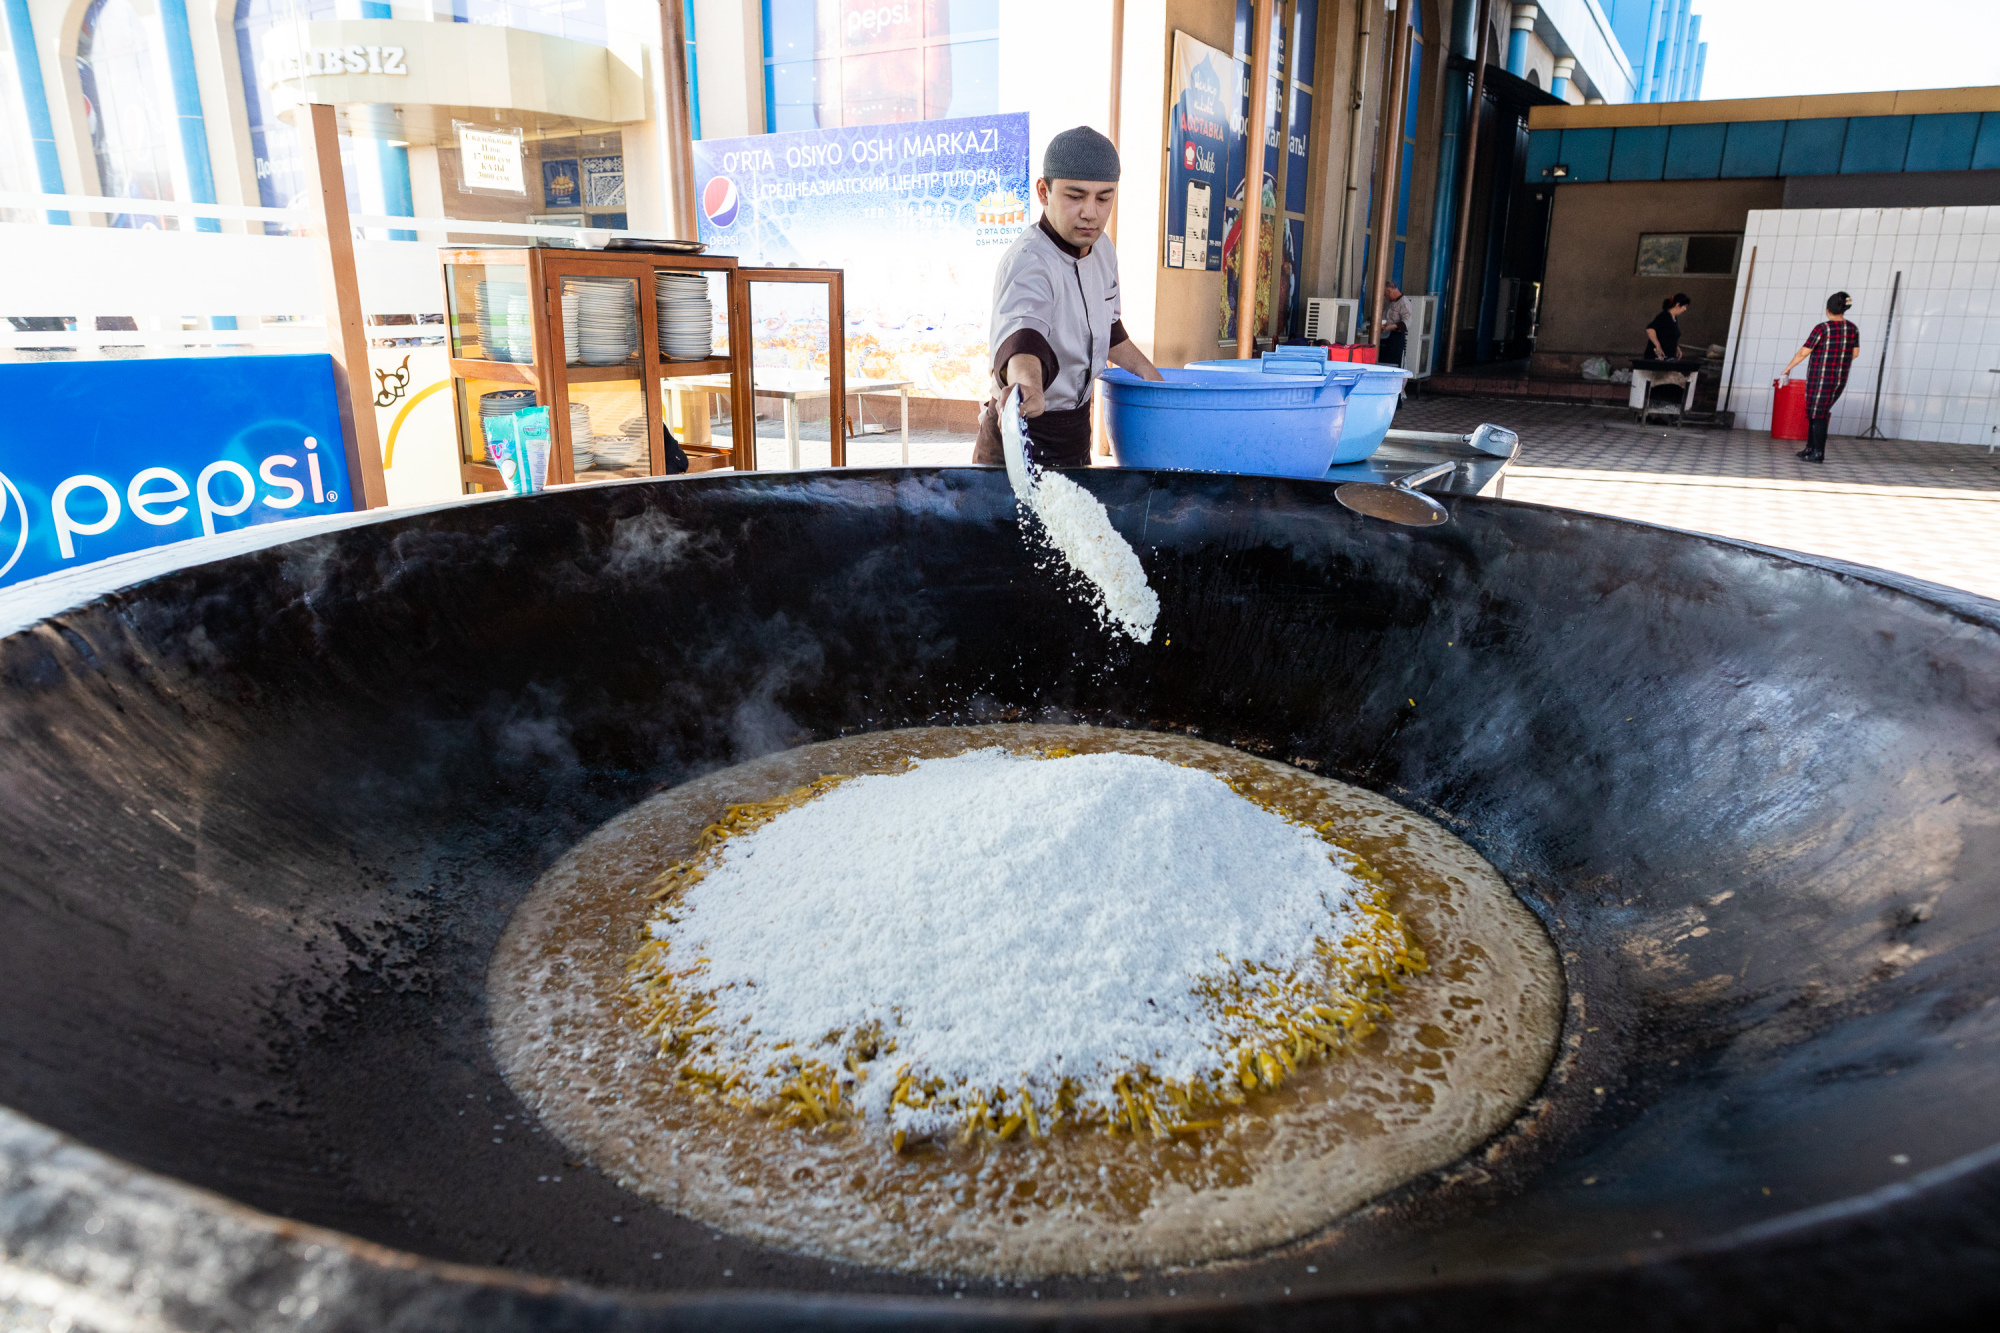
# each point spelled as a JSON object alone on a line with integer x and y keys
{"x": 1198, "y": 133}
{"x": 917, "y": 213}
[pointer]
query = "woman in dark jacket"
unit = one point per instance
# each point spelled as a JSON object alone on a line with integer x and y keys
{"x": 1663, "y": 335}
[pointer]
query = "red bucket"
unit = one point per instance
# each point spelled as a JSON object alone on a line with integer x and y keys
{"x": 1788, "y": 409}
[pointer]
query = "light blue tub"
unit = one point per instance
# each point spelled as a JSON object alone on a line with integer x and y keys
{"x": 1201, "y": 420}
{"x": 1371, "y": 397}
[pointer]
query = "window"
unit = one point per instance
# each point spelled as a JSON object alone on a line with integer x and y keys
{"x": 1697, "y": 255}
{"x": 830, "y": 63}
{"x": 128, "y": 99}
{"x": 18, "y": 167}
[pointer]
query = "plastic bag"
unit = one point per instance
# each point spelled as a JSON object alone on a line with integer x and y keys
{"x": 502, "y": 446}
{"x": 1596, "y": 368}
{"x": 531, "y": 425}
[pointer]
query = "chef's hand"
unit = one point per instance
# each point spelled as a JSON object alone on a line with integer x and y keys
{"x": 1127, "y": 356}
{"x": 1025, "y": 372}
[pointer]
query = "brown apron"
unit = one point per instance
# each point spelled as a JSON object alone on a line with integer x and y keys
{"x": 1054, "y": 439}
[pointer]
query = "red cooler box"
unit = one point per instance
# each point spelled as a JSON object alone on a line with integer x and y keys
{"x": 1788, "y": 409}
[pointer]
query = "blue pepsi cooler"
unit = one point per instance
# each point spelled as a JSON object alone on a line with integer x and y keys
{"x": 1373, "y": 391}
{"x": 1200, "y": 420}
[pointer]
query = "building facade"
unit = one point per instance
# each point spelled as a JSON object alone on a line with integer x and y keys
{"x": 1650, "y": 201}
{"x": 199, "y": 100}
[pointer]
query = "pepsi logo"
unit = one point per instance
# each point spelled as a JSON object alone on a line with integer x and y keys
{"x": 720, "y": 201}
{"x": 14, "y": 519}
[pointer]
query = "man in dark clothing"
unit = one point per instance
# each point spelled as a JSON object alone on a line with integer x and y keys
{"x": 1396, "y": 316}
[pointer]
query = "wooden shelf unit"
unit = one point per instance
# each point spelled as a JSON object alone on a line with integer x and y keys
{"x": 542, "y": 272}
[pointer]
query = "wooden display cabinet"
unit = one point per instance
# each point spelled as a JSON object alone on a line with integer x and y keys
{"x": 521, "y": 345}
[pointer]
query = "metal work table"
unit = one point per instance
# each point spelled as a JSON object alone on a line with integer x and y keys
{"x": 1407, "y": 451}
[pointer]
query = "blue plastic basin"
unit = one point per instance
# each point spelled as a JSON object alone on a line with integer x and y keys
{"x": 1371, "y": 399}
{"x": 1225, "y": 421}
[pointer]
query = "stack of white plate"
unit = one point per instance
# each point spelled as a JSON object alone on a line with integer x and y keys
{"x": 572, "y": 348}
{"x": 687, "y": 317}
{"x": 618, "y": 450}
{"x": 607, "y": 319}
{"x": 625, "y": 449}
{"x": 506, "y": 323}
{"x": 580, "y": 453}
{"x": 504, "y": 402}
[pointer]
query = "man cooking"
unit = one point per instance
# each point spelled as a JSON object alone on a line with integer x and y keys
{"x": 1056, "y": 307}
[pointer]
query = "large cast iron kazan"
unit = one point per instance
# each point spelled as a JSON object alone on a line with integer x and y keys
{"x": 263, "y": 820}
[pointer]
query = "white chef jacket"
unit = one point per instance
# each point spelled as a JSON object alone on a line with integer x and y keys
{"x": 1060, "y": 307}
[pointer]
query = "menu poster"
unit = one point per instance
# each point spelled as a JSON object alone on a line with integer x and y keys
{"x": 490, "y": 159}
{"x": 562, "y": 184}
{"x": 604, "y": 182}
{"x": 1199, "y": 124}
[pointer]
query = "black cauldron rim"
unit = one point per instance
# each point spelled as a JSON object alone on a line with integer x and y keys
{"x": 1966, "y": 1187}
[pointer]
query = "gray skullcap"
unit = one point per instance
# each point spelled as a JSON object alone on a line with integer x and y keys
{"x": 1081, "y": 154}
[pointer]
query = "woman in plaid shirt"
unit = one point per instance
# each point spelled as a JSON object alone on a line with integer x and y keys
{"x": 1832, "y": 347}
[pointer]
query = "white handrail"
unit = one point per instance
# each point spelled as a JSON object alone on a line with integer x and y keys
{"x": 298, "y": 217}
{"x": 468, "y": 226}
{"x": 267, "y": 335}
{"x": 91, "y": 203}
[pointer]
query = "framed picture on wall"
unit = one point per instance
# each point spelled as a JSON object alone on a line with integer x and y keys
{"x": 562, "y": 183}
{"x": 604, "y": 182}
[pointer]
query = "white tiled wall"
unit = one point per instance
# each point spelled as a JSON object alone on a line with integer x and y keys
{"x": 1947, "y": 327}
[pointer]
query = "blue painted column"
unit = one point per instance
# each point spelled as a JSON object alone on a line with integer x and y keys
{"x": 1457, "y": 97}
{"x": 1642, "y": 67}
{"x": 1663, "y": 53}
{"x": 1688, "y": 55}
{"x": 392, "y": 161}
{"x": 694, "y": 73}
{"x": 1559, "y": 77}
{"x": 1676, "y": 46}
{"x": 187, "y": 108}
{"x": 41, "y": 131}
{"x": 1517, "y": 41}
{"x": 1700, "y": 66}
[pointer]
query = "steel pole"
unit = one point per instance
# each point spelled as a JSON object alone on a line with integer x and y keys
{"x": 1472, "y": 121}
{"x": 677, "y": 121}
{"x": 1251, "y": 242}
{"x": 1387, "y": 181}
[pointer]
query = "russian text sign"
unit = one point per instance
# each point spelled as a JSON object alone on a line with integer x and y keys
{"x": 98, "y": 458}
{"x": 917, "y": 213}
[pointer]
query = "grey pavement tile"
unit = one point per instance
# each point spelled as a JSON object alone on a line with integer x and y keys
{"x": 1606, "y": 439}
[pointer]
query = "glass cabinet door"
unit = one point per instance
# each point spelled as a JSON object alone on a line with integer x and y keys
{"x": 492, "y": 312}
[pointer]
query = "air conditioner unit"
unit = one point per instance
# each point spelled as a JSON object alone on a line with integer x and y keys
{"x": 1331, "y": 319}
{"x": 1422, "y": 350}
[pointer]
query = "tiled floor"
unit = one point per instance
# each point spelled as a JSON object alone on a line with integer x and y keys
{"x": 1929, "y": 510}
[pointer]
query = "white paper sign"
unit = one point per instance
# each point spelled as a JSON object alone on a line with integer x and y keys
{"x": 491, "y": 160}
{"x": 1197, "y": 219}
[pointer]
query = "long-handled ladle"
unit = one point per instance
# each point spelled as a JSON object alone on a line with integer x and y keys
{"x": 1399, "y": 501}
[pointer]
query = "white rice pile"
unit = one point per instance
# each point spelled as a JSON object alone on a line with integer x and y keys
{"x": 1009, "y": 922}
{"x": 1079, "y": 530}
